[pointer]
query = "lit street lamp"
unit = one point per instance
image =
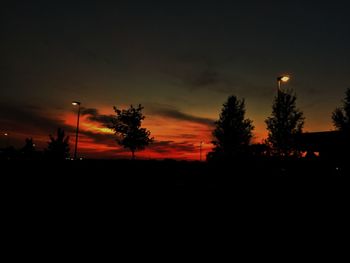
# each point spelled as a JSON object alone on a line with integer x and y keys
{"x": 7, "y": 144}
{"x": 76, "y": 103}
{"x": 280, "y": 80}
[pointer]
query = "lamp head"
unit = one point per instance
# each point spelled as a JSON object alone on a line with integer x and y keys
{"x": 283, "y": 78}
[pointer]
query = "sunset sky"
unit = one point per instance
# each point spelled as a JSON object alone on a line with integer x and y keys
{"x": 179, "y": 59}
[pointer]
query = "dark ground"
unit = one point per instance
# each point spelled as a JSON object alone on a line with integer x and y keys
{"x": 102, "y": 197}
{"x": 168, "y": 175}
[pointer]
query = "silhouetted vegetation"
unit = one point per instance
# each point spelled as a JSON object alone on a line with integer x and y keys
{"x": 325, "y": 153}
{"x": 127, "y": 126}
{"x": 285, "y": 123}
{"x": 58, "y": 148}
{"x": 233, "y": 132}
{"x": 341, "y": 120}
{"x": 28, "y": 150}
{"x": 341, "y": 116}
{"x": 259, "y": 150}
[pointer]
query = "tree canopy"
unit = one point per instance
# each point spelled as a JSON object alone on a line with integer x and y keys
{"x": 284, "y": 124}
{"x": 127, "y": 126}
{"x": 341, "y": 116}
{"x": 233, "y": 132}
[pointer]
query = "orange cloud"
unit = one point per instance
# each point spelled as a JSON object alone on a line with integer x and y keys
{"x": 175, "y": 139}
{"x": 177, "y": 135}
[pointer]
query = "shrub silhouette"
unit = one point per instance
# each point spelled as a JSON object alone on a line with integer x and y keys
{"x": 28, "y": 150}
{"x": 58, "y": 148}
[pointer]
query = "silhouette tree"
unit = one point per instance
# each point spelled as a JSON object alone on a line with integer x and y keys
{"x": 58, "y": 148}
{"x": 341, "y": 116}
{"x": 341, "y": 121}
{"x": 285, "y": 123}
{"x": 29, "y": 148}
{"x": 127, "y": 126}
{"x": 233, "y": 132}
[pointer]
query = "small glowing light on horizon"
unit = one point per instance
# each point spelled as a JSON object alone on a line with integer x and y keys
{"x": 6, "y": 134}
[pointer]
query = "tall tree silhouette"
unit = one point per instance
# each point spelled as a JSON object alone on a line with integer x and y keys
{"x": 285, "y": 123}
{"x": 341, "y": 116}
{"x": 58, "y": 148}
{"x": 233, "y": 132}
{"x": 127, "y": 126}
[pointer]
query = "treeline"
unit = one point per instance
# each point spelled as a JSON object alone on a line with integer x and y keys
{"x": 232, "y": 136}
{"x": 57, "y": 149}
{"x": 234, "y": 132}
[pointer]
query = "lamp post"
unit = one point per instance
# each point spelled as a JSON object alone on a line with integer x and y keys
{"x": 280, "y": 80}
{"x": 76, "y": 103}
{"x": 6, "y": 139}
{"x": 200, "y": 150}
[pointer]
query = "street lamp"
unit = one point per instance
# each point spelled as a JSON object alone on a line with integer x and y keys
{"x": 7, "y": 144}
{"x": 280, "y": 80}
{"x": 76, "y": 103}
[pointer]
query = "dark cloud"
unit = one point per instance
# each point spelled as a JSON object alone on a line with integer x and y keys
{"x": 205, "y": 73}
{"x": 196, "y": 73}
{"x": 187, "y": 136}
{"x": 33, "y": 107}
{"x": 213, "y": 80}
{"x": 169, "y": 112}
{"x": 31, "y": 122}
{"x": 94, "y": 115}
{"x": 170, "y": 146}
{"x": 89, "y": 111}
{"x": 28, "y": 119}
{"x": 101, "y": 138}
{"x": 205, "y": 78}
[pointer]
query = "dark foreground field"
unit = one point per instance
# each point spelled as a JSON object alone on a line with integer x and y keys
{"x": 124, "y": 174}
{"x": 115, "y": 190}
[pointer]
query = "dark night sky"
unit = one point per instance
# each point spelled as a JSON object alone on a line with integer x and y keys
{"x": 180, "y": 59}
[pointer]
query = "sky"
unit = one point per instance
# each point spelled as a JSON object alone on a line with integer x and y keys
{"x": 179, "y": 59}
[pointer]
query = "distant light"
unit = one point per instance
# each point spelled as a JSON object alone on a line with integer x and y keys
{"x": 284, "y": 78}
{"x": 6, "y": 134}
{"x": 34, "y": 145}
{"x": 81, "y": 159}
{"x": 76, "y": 103}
